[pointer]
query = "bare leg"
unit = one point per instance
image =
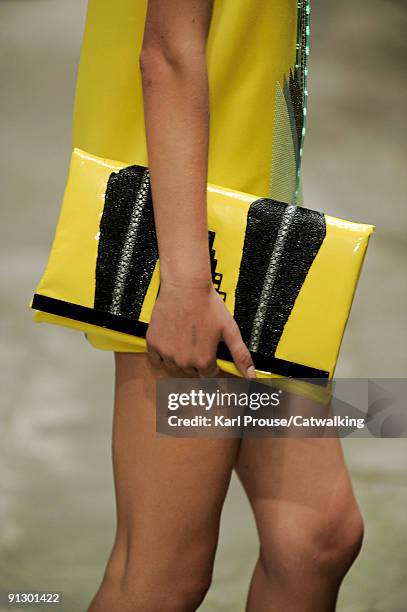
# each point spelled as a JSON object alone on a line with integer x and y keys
{"x": 169, "y": 493}
{"x": 309, "y": 525}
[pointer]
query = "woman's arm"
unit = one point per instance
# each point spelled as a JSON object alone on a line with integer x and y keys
{"x": 189, "y": 318}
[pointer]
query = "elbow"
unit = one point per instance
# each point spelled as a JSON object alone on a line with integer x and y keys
{"x": 150, "y": 60}
{"x": 159, "y": 59}
{"x": 145, "y": 58}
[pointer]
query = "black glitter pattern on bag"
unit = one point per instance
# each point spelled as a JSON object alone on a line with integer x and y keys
{"x": 127, "y": 250}
{"x": 263, "y": 221}
{"x": 303, "y": 237}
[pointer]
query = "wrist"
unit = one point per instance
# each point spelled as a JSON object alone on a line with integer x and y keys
{"x": 193, "y": 285}
{"x": 189, "y": 271}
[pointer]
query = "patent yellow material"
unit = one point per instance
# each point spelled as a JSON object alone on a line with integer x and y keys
{"x": 313, "y": 332}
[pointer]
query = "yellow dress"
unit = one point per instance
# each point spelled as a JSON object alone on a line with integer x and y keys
{"x": 257, "y": 66}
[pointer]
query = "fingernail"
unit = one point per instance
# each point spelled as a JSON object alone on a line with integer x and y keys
{"x": 251, "y": 372}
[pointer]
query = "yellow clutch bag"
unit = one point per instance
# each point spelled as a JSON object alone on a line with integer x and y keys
{"x": 287, "y": 273}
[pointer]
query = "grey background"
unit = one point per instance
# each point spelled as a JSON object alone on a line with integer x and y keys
{"x": 56, "y": 498}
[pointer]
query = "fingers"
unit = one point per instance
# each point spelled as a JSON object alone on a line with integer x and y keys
{"x": 160, "y": 360}
{"x": 207, "y": 367}
{"x": 178, "y": 368}
{"x": 204, "y": 368}
{"x": 154, "y": 356}
{"x": 239, "y": 351}
{"x": 172, "y": 368}
{"x": 208, "y": 370}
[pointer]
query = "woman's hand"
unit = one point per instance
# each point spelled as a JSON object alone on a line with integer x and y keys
{"x": 186, "y": 326}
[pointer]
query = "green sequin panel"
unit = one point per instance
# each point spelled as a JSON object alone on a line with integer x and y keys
{"x": 291, "y": 98}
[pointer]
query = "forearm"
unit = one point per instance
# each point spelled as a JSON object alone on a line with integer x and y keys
{"x": 189, "y": 317}
{"x": 176, "y": 108}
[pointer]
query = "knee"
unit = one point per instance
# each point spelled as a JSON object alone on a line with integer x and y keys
{"x": 326, "y": 546}
{"x": 337, "y": 543}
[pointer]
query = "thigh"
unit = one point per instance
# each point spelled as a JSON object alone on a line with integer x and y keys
{"x": 301, "y": 494}
{"x": 309, "y": 474}
{"x": 169, "y": 491}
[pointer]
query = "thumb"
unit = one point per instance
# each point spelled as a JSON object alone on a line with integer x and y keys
{"x": 239, "y": 351}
